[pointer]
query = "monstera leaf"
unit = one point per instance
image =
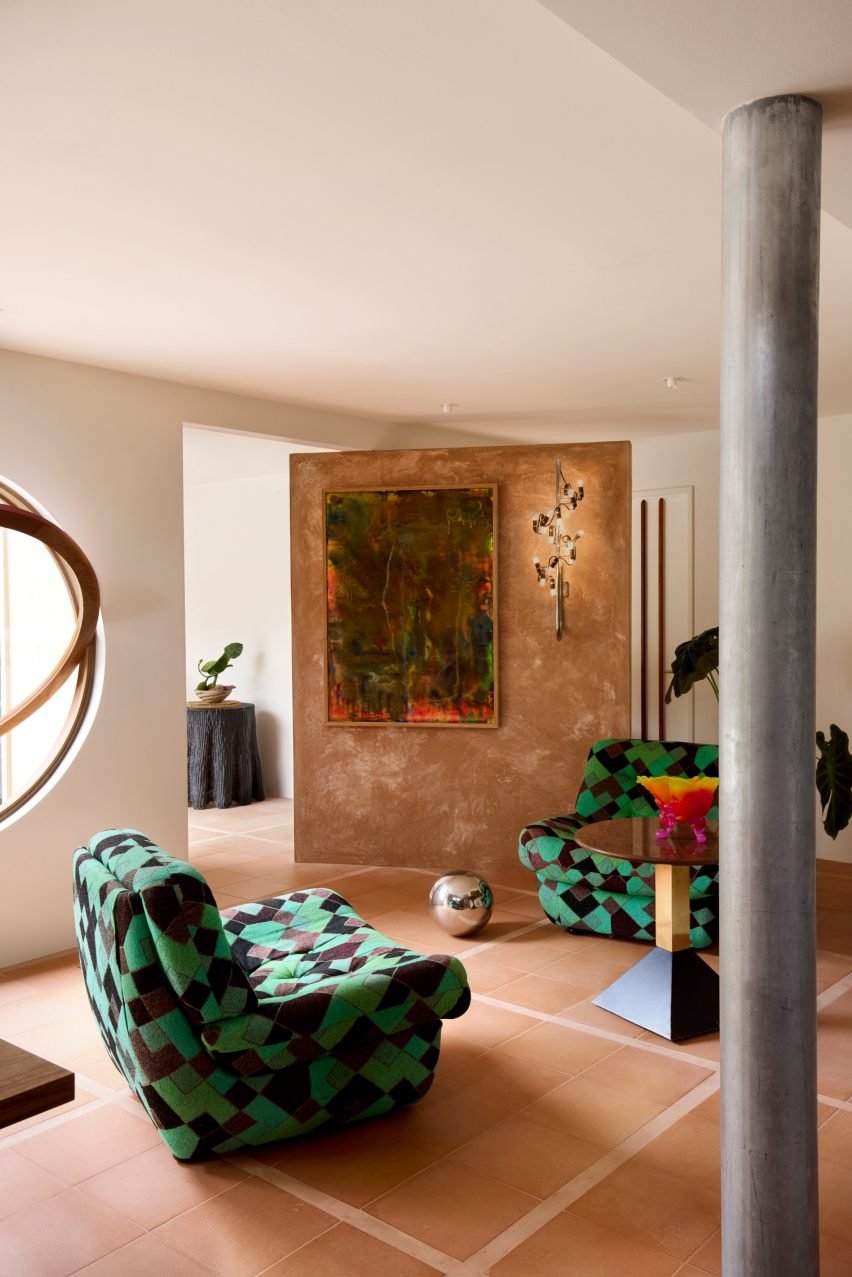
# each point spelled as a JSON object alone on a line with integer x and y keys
{"x": 834, "y": 780}
{"x": 694, "y": 660}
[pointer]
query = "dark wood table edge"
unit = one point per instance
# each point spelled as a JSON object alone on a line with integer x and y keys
{"x": 54, "y": 1085}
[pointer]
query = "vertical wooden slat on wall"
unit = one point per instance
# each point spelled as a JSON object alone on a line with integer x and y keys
{"x": 661, "y": 614}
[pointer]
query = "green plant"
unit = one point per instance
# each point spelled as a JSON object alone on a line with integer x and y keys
{"x": 694, "y": 660}
{"x": 212, "y": 669}
{"x": 698, "y": 658}
{"x": 834, "y": 780}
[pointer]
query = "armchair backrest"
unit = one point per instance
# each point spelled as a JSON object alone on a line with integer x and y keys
{"x": 609, "y": 788}
{"x": 155, "y": 959}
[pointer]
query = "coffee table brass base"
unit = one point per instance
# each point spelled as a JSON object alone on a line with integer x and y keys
{"x": 673, "y": 994}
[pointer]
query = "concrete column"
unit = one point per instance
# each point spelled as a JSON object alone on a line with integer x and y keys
{"x": 771, "y": 210}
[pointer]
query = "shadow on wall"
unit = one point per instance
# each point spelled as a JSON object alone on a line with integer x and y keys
{"x": 271, "y": 744}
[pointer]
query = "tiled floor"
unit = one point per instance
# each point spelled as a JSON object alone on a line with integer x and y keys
{"x": 557, "y": 1139}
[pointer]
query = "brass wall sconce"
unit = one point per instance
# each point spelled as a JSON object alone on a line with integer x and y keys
{"x": 563, "y": 546}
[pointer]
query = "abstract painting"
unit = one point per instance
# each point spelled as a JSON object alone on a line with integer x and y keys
{"x": 410, "y": 606}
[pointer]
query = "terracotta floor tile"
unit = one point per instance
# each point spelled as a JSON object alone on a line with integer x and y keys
{"x": 528, "y": 1156}
{"x": 94, "y": 1063}
{"x": 484, "y": 976}
{"x": 227, "y": 851}
{"x": 245, "y": 1229}
{"x": 590, "y": 968}
{"x": 58, "y": 1236}
{"x": 824, "y": 1112}
{"x": 22, "y": 1183}
{"x": 444, "y": 1120}
{"x": 689, "y": 1148}
{"x": 358, "y": 1164}
{"x": 456, "y": 1051}
{"x": 86, "y": 1145}
{"x": 835, "y": 1139}
{"x": 224, "y": 878}
{"x": 504, "y": 923}
{"x": 507, "y": 877}
{"x": 257, "y": 888}
{"x": 145, "y": 1257}
{"x": 526, "y": 904}
{"x": 61, "y": 1041}
{"x": 709, "y": 1109}
{"x": 593, "y": 1112}
{"x": 568, "y": 1050}
{"x": 453, "y": 1208}
{"x": 834, "y": 1074}
{"x": 570, "y": 1245}
{"x": 831, "y": 968}
{"x": 706, "y": 1046}
{"x": 487, "y": 1026}
{"x": 654, "y": 1208}
{"x": 245, "y": 819}
{"x": 662, "y": 1078}
{"x": 835, "y": 1256}
{"x": 496, "y": 1078}
{"x": 708, "y": 1257}
{"x": 152, "y": 1187}
{"x": 541, "y": 994}
{"x": 835, "y": 1196}
{"x": 587, "y": 1013}
{"x": 347, "y": 1252}
{"x": 533, "y": 951}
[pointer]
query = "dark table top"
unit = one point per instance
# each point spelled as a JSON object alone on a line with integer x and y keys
{"x": 29, "y": 1084}
{"x": 635, "y": 838}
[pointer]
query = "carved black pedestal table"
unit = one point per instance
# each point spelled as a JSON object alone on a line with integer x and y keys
{"x": 223, "y": 763}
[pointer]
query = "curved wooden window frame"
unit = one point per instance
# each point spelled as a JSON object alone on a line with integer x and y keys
{"x": 17, "y": 514}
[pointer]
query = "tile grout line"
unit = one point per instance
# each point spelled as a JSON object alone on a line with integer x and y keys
{"x": 610, "y": 1035}
{"x": 834, "y": 991}
{"x": 50, "y": 1123}
{"x": 833, "y": 1102}
{"x": 563, "y": 1197}
{"x": 354, "y": 1216}
{"x": 492, "y": 944}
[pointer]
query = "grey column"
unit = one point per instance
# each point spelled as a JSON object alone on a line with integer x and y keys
{"x": 771, "y": 208}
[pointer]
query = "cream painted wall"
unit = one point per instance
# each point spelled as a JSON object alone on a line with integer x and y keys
{"x": 694, "y": 459}
{"x": 102, "y": 451}
{"x": 691, "y": 459}
{"x": 237, "y": 571}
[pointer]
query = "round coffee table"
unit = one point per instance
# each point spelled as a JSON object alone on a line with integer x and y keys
{"x": 671, "y": 991}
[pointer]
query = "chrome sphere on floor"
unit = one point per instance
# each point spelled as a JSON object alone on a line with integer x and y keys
{"x": 461, "y": 902}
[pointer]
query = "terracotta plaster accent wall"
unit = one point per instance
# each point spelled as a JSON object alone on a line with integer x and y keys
{"x": 453, "y": 796}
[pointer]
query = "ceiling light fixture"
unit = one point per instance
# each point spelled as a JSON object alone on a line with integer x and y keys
{"x": 447, "y": 408}
{"x": 672, "y": 383}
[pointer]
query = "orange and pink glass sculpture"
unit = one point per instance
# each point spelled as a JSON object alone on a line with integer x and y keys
{"x": 681, "y": 798}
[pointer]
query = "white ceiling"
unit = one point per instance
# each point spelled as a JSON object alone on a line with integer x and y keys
{"x": 382, "y": 205}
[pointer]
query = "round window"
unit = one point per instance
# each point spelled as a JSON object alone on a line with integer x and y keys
{"x": 49, "y": 608}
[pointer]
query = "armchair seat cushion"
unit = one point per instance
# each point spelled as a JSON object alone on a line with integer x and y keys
{"x": 323, "y": 975}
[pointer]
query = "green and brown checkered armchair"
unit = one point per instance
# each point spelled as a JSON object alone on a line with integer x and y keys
{"x": 585, "y": 891}
{"x": 259, "y": 1023}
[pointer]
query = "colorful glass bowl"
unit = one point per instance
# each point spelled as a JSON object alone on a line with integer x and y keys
{"x": 681, "y": 798}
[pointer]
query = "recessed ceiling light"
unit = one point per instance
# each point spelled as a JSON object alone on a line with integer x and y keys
{"x": 447, "y": 408}
{"x": 671, "y": 383}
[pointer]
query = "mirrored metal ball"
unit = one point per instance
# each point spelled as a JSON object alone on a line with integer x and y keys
{"x": 461, "y": 902}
